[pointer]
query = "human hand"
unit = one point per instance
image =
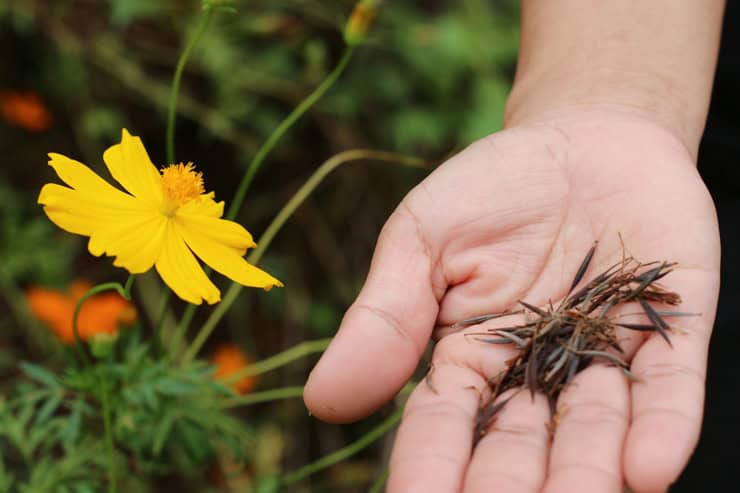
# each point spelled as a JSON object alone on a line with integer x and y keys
{"x": 510, "y": 219}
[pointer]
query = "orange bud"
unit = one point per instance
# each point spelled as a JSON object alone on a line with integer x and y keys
{"x": 229, "y": 358}
{"x": 25, "y": 109}
{"x": 100, "y": 314}
{"x": 360, "y": 21}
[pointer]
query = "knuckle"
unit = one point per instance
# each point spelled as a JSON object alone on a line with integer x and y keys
{"x": 593, "y": 412}
{"x": 389, "y": 321}
{"x": 502, "y": 481}
{"x": 438, "y": 408}
{"x": 659, "y": 371}
{"x": 664, "y": 414}
{"x": 585, "y": 472}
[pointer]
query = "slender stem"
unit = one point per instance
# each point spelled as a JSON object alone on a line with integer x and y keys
{"x": 200, "y": 29}
{"x": 310, "y": 185}
{"x": 288, "y": 122}
{"x": 288, "y": 209}
{"x": 377, "y": 486}
{"x": 205, "y": 18}
{"x": 346, "y": 452}
{"x": 182, "y": 327}
{"x": 281, "y": 359}
{"x": 124, "y": 291}
{"x": 164, "y": 303}
{"x": 254, "y": 166}
{"x": 266, "y": 396}
{"x": 105, "y": 397}
{"x": 127, "y": 287}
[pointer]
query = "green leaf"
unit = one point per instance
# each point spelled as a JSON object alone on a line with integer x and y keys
{"x": 39, "y": 374}
{"x": 123, "y": 12}
{"x": 48, "y": 408}
{"x": 6, "y": 478}
{"x": 489, "y": 99}
{"x": 162, "y": 433}
{"x": 150, "y": 397}
{"x": 269, "y": 484}
{"x": 102, "y": 122}
{"x": 419, "y": 127}
{"x": 70, "y": 433}
{"x": 173, "y": 387}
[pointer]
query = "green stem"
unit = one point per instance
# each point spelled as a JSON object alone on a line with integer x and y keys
{"x": 281, "y": 359}
{"x": 124, "y": 291}
{"x": 377, "y": 486}
{"x": 164, "y": 303}
{"x": 266, "y": 396}
{"x": 346, "y": 452}
{"x": 127, "y": 287}
{"x": 241, "y": 191}
{"x": 288, "y": 209}
{"x": 310, "y": 185}
{"x": 105, "y": 397}
{"x": 277, "y": 134}
{"x": 205, "y": 18}
{"x": 200, "y": 29}
{"x": 184, "y": 325}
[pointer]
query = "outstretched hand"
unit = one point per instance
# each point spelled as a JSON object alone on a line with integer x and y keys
{"x": 510, "y": 219}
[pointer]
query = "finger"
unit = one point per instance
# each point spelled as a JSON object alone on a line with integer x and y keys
{"x": 434, "y": 441}
{"x": 512, "y": 456}
{"x": 667, "y": 404}
{"x": 385, "y": 331}
{"x": 590, "y": 427}
{"x": 435, "y": 438}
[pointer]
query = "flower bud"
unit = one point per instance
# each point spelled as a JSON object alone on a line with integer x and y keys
{"x": 360, "y": 21}
{"x": 102, "y": 345}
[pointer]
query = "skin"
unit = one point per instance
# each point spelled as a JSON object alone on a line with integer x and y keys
{"x": 602, "y": 131}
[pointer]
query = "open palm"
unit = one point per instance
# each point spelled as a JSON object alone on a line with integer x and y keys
{"x": 510, "y": 218}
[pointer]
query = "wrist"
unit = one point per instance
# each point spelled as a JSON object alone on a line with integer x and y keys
{"x": 653, "y": 59}
{"x": 679, "y": 109}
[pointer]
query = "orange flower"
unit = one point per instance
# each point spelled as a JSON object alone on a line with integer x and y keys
{"x": 25, "y": 109}
{"x": 228, "y": 359}
{"x": 100, "y": 314}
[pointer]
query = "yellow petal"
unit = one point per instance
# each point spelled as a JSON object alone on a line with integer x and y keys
{"x": 130, "y": 165}
{"x": 136, "y": 242}
{"x": 204, "y": 206}
{"x": 141, "y": 245}
{"x": 181, "y": 272}
{"x": 228, "y": 233}
{"x": 223, "y": 258}
{"x": 84, "y": 213}
{"x": 80, "y": 177}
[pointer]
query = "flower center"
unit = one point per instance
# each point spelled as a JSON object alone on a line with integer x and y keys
{"x": 180, "y": 184}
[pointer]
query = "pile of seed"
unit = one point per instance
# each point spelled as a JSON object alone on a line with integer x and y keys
{"x": 557, "y": 342}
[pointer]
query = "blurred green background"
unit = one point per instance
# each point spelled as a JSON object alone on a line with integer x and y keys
{"x": 432, "y": 77}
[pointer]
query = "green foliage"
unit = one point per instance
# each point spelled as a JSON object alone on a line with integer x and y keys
{"x": 440, "y": 80}
{"x": 166, "y": 414}
{"x": 32, "y": 249}
{"x": 123, "y": 12}
{"x": 166, "y": 419}
{"x": 41, "y": 448}
{"x": 430, "y": 78}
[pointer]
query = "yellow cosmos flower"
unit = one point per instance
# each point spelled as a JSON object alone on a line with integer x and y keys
{"x": 163, "y": 219}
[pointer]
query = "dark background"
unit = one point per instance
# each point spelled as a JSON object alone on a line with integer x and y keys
{"x": 715, "y": 463}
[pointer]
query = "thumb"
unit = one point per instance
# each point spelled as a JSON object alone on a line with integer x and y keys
{"x": 384, "y": 332}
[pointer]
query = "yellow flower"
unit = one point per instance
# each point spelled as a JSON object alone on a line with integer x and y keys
{"x": 162, "y": 220}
